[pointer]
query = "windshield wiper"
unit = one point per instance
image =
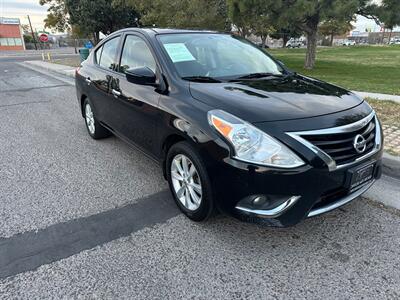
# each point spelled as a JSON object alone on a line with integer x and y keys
{"x": 257, "y": 75}
{"x": 201, "y": 79}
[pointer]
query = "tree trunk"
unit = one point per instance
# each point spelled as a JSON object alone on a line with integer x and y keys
{"x": 390, "y": 35}
{"x": 263, "y": 41}
{"x": 331, "y": 40}
{"x": 285, "y": 39}
{"x": 311, "y": 49}
{"x": 243, "y": 32}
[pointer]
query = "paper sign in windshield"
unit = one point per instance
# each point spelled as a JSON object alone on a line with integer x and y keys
{"x": 178, "y": 52}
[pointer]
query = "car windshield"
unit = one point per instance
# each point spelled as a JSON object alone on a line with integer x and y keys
{"x": 217, "y": 56}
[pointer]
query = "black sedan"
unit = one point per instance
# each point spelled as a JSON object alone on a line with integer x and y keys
{"x": 233, "y": 129}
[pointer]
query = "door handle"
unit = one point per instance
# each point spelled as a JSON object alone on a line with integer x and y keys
{"x": 88, "y": 81}
{"x": 115, "y": 93}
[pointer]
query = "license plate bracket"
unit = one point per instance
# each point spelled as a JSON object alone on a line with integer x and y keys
{"x": 360, "y": 175}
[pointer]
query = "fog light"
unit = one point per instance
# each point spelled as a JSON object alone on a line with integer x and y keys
{"x": 259, "y": 200}
{"x": 266, "y": 206}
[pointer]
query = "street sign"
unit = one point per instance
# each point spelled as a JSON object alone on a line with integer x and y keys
{"x": 43, "y": 37}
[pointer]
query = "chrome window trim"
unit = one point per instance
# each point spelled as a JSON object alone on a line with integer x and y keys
{"x": 340, "y": 202}
{"x": 330, "y": 162}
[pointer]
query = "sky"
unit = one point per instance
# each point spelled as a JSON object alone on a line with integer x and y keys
{"x": 21, "y": 8}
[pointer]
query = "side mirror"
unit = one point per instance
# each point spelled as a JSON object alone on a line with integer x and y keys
{"x": 142, "y": 75}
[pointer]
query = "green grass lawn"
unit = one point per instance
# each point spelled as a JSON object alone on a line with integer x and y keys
{"x": 68, "y": 61}
{"x": 361, "y": 68}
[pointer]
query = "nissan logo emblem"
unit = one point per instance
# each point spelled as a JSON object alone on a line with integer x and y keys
{"x": 359, "y": 143}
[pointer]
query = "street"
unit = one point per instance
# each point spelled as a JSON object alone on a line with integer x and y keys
{"x": 95, "y": 219}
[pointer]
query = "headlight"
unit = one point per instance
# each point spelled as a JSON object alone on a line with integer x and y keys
{"x": 251, "y": 144}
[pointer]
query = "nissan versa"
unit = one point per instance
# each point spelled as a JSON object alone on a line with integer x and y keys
{"x": 233, "y": 129}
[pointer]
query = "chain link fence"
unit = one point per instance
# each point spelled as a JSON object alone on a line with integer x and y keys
{"x": 56, "y": 43}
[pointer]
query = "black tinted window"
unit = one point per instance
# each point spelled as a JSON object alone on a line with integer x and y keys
{"x": 108, "y": 54}
{"x": 136, "y": 54}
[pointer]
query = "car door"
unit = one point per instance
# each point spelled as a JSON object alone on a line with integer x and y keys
{"x": 101, "y": 77}
{"x": 136, "y": 104}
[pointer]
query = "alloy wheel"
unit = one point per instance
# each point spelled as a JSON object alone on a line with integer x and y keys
{"x": 89, "y": 118}
{"x": 186, "y": 182}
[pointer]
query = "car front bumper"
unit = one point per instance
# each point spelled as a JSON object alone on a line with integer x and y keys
{"x": 291, "y": 195}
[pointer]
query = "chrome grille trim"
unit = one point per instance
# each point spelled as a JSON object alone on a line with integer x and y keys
{"x": 330, "y": 162}
{"x": 340, "y": 202}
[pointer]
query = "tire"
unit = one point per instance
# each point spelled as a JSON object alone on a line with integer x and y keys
{"x": 94, "y": 128}
{"x": 195, "y": 210}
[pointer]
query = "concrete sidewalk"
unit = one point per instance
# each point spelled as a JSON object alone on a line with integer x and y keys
{"x": 22, "y": 53}
{"x": 378, "y": 96}
{"x": 51, "y": 67}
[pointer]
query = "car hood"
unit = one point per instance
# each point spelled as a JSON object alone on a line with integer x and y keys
{"x": 275, "y": 98}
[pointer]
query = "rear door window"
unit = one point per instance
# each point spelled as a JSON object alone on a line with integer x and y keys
{"x": 108, "y": 54}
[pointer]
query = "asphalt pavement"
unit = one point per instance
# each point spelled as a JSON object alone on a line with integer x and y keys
{"x": 15, "y": 56}
{"x": 93, "y": 219}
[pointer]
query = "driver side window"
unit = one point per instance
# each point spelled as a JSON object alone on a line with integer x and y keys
{"x": 136, "y": 54}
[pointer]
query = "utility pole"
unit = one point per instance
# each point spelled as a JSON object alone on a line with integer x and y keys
{"x": 33, "y": 35}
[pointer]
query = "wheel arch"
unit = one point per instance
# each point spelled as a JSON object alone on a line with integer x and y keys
{"x": 168, "y": 142}
{"x": 82, "y": 101}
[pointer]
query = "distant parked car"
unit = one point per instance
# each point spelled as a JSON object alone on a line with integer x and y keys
{"x": 292, "y": 43}
{"x": 349, "y": 43}
{"x": 395, "y": 41}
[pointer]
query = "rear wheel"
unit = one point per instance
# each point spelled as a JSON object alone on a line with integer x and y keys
{"x": 189, "y": 182}
{"x": 94, "y": 128}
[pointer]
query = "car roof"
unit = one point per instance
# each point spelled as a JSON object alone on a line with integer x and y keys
{"x": 154, "y": 31}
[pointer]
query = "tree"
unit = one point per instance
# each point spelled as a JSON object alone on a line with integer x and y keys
{"x": 307, "y": 15}
{"x": 57, "y": 15}
{"x": 240, "y": 14}
{"x": 195, "y": 14}
{"x": 28, "y": 38}
{"x": 101, "y": 15}
{"x": 89, "y": 17}
{"x": 286, "y": 33}
{"x": 389, "y": 14}
{"x": 253, "y": 16}
{"x": 334, "y": 27}
{"x": 25, "y": 28}
{"x": 262, "y": 28}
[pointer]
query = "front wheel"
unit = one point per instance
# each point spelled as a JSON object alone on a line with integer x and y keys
{"x": 189, "y": 182}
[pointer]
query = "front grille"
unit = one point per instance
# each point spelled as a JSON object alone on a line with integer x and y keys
{"x": 339, "y": 146}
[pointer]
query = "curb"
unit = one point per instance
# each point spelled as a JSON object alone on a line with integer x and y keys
{"x": 377, "y": 96}
{"x": 58, "y": 69}
{"x": 391, "y": 165}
